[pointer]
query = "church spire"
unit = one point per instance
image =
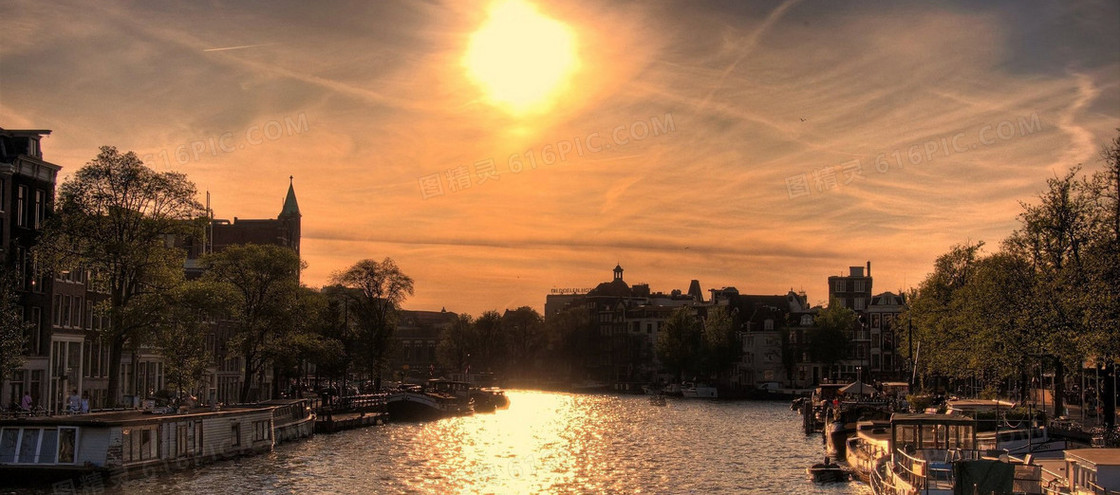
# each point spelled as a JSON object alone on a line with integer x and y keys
{"x": 291, "y": 207}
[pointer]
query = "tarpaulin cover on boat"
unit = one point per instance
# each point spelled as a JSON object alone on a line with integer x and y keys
{"x": 983, "y": 476}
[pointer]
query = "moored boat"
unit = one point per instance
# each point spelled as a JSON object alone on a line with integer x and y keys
{"x": 117, "y": 444}
{"x": 937, "y": 454}
{"x": 864, "y": 449}
{"x": 488, "y": 399}
{"x": 827, "y": 472}
{"x": 841, "y": 421}
{"x": 1020, "y": 437}
{"x": 437, "y": 399}
{"x": 698, "y": 391}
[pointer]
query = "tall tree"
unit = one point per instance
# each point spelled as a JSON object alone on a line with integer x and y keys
{"x": 181, "y": 336}
{"x": 339, "y": 347}
{"x": 1102, "y": 315}
{"x": 679, "y": 342}
{"x": 572, "y": 342}
{"x": 524, "y": 330}
{"x": 829, "y": 338}
{"x": 299, "y": 339}
{"x": 13, "y": 329}
{"x": 1055, "y": 235}
{"x": 719, "y": 347}
{"x": 380, "y": 287}
{"x": 265, "y": 280}
{"x": 114, "y": 217}
{"x": 456, "y": 343}
{"x": 936, "y": 315}
{"x": 490, "y": 349}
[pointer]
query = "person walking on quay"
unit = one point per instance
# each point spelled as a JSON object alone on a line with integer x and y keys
{"x": 25, "y": 404}
{"x": 74, "y": 402}
{"x": 85, "y": 402}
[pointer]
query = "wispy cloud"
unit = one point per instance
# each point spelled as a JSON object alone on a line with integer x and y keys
{"x": 758, "y": 93}
{"x": 239, "y": 47}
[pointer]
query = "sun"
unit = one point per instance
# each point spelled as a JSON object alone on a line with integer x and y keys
{"x": 521, "y": 59}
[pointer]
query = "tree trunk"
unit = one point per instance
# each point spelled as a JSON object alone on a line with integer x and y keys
{"x": 247, "y": 382}
{"x": 1109, "y": 396}
{"x": 1059, "y": 387}
{"x": 116, "y": 348}
{"x": 275, "y": 392}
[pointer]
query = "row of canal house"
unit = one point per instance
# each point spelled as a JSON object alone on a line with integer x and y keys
{"x": 774, "y": 331}
{"x": 60, "y": 354}
{"x": 63, "y": 352}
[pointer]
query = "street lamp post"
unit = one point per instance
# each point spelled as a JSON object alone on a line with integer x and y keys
{"x": 910, "y": 342}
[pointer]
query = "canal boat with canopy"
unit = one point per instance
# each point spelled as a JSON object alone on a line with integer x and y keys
{"x": 937, "y": 454}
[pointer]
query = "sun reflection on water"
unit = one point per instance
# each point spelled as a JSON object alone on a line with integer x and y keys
{"x": 545, "y": 442}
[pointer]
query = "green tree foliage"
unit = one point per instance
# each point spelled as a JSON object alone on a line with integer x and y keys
{"x": 572, "y": 341}
{"x": 719, "y": 348}
{"x": 490, "y": 351}
{"x": 524, "y": 332}
{"x": 1049, "y": 296}
{"x": 379, "y": 289}
{"x": 936, "y": 311}
{"x": 114, "y": 216}
{"x": 1000, "y": 314}
{"x": 181, "y": 335}
{"x": 300, "y": 340}
{"x": 13, "y": 330}
{"x": 679, "y": 342}
{"x": 265, "y": 281}
{"x": 456, "y": 342}
{"x": 828, "y": 339}
{"x": 335, "y": 352}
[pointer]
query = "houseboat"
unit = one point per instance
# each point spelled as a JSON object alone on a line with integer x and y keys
{"x": 1016, "y": 437}
{"x": 1092, "y": 472}
{"x": 841, "y": 421}
{"x": 870, "y": 444}
{"x": 937, "y": 454}
{"x": 129, "y": 442}
{"x": 437, "y": 399}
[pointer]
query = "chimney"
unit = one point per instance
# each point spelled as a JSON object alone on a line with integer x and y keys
{"x": 869, "y": 269}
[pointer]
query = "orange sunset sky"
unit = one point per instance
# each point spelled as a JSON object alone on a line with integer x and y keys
{"x": 498, "y": 150}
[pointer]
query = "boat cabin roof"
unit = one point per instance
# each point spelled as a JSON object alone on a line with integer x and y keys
{"x": 121, "y": 418}
{"x": 1098, "y": 457}
{"x": 978, "y": 405}
{"x": 922, "y": 419}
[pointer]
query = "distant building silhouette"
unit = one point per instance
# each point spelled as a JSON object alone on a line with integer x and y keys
{"x": 853, "y": 291}
{"x": 414, "y": 342}
{"x": 284, "y": 230}
{"x": 885, "y": 329}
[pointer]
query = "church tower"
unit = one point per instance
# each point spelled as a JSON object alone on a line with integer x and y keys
{"x": 290, "y": 217}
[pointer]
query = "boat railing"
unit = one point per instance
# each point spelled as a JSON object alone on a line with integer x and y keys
{"x": 355, "y": 403}
{"x": 912, "y": 469}
{"x": 879, "y": 484}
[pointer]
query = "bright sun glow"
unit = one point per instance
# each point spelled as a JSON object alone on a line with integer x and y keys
{"x": 521, "y": 58}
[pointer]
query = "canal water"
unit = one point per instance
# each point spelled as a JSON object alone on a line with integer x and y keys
{"x": 545, "y": 442}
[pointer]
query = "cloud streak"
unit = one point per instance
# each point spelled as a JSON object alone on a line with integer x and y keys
{"x": 758, "y": 94}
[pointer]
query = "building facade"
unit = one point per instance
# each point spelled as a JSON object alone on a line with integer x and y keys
{"x": 27, "y": 184}
{"x": 852, "y": 291}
